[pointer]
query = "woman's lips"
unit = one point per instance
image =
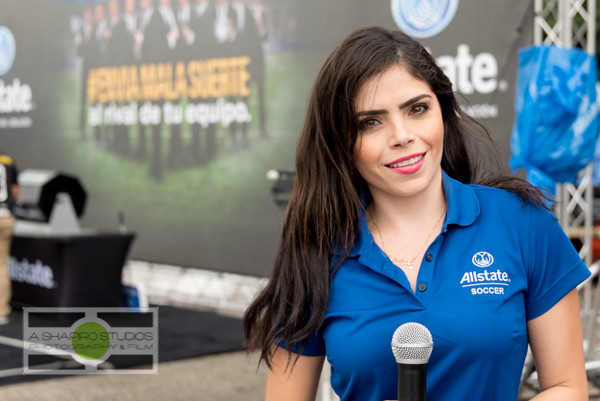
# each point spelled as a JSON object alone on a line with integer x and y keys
{"x": 408, "y": 165}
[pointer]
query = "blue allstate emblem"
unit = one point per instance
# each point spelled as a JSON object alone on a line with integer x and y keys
{"x": 7, "y": 49}
{"x": 423, "y": 18}
{"x": 482, "y": 259}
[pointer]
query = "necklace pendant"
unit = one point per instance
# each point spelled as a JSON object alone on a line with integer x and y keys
{"x": 403, "y": 263}
{"x": 407, "y": 264}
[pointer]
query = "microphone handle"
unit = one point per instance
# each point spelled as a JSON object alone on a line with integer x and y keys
{"x": 411, "y": 382}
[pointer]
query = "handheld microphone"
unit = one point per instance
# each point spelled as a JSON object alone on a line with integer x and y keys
{"x": 412, "y": 345}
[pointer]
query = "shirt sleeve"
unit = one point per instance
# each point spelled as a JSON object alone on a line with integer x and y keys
{"x": 314, "y": 347}
{"x": 553, "y": 265}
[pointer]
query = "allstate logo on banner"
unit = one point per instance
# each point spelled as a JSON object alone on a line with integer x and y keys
{"x": 7, "y": 49}
{"x": 423, "y": 18}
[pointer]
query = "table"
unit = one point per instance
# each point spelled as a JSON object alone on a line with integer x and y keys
{"x": 68, "y": 270}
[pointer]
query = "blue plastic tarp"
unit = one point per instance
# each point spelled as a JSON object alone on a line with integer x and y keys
{"x": 556, "y": 114}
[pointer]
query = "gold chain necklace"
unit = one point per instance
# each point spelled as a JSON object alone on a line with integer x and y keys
{"x": 403, "y": 262}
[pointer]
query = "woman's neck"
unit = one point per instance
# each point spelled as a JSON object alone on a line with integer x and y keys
{"x": 407, "y": 213}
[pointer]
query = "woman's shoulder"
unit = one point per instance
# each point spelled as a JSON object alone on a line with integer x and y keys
{"x": 506, "y": 200}
{"x": 493, "y": 192}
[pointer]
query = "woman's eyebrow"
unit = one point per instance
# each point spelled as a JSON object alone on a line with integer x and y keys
{"x": 414, "y": 100}
{"x": 371, "y": 113}
{"x": 402, "y": 106}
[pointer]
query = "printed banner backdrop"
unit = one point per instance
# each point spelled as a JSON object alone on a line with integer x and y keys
{"x": 171, "y": 112}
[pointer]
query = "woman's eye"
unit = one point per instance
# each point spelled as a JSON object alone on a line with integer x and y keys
{"x": 420, "y": 108}
{"x": 368, "y": 123}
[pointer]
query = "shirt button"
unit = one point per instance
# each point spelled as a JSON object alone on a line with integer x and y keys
{"x": 422, "y": 287}
{"x": 429, "y": 257}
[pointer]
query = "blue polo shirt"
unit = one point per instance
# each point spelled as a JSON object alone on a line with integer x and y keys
{"x": 497, "y": 263}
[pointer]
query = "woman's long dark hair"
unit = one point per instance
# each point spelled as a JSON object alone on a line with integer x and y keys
{"x": 326, "y": 201}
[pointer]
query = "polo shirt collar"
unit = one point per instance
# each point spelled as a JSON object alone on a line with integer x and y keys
{"x": 463, "y": 205}
{"x": 463, "y": 209}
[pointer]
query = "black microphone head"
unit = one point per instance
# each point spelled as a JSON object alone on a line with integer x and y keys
{"x": 412, "y": 344}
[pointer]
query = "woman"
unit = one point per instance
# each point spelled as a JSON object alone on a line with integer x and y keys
{"x": 385, "y": 226}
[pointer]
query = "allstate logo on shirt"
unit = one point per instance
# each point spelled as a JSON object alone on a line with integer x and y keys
{"x": 423, "y": 18}
{"x": 482, "y": 259}
{"x": 7, "y": 49}
{"x": 486, "y": 282}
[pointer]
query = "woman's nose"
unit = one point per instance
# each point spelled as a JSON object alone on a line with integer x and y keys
{"x": 401, "y": 135}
